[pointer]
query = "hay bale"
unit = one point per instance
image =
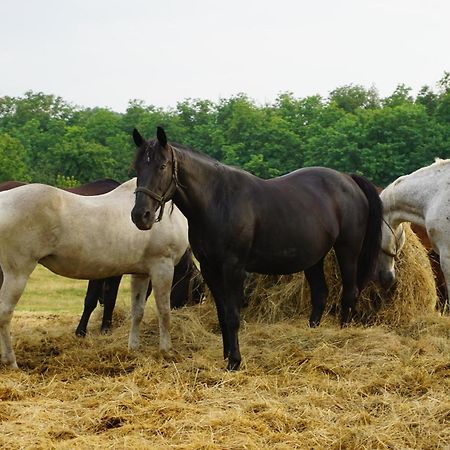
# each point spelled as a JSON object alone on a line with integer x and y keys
{"x": 274, "y": 298}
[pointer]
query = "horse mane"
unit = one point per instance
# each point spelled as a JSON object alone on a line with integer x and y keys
{"x": 210, "y": 159}
{"x": 190, "y": 151}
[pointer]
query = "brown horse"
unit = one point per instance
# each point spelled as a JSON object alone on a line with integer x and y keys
{"x": 240, "y": 223}
{"x": 187, "y": 281}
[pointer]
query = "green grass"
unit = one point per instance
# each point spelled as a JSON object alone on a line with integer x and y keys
{"x": 47, "y": 292}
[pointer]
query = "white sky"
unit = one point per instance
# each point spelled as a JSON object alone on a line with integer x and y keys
{"x": 107, "y": 52}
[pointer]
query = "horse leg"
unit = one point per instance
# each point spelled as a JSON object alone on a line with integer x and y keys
{"x": 196, "y": 286}
{"x": 109, "y": 293}
{"x": 319, "y": 292}
{"x": 348, "y": 265}
{"x": 234, "y": 278}
{"x": 214, "y": 281}
{"x": 90, "y": 303}
{"x": 227, "y": 286}
{"x": 161, "y": 275}
{"x": 444, "y": 259}
{"x": 10, "y": 292}
{"x": 139, "y": 285}
{"x": 179, "y": 294}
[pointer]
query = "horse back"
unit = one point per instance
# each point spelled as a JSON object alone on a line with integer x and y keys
{"x": 76, "y": 235}
{"x": 96, "y": 187}
{"x": 313, "y": 199}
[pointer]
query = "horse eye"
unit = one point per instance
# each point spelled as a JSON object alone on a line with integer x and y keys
{"x": 162, "y": 167}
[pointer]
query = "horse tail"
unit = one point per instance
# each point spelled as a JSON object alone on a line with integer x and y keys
{"x": 368, "y": 257}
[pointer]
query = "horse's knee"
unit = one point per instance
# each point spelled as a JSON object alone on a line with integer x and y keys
{"x": 6, "y": 313}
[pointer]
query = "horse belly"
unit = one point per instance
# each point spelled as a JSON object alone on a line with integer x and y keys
{"x": 89, "y": 268}
{"x": 290, "y": 260}
{"x": 297, "y": 247}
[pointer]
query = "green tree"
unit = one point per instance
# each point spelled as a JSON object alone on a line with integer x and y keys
{"x": 351, "y": 97}
{"x": 12, "y": 159}
{"x": 399, "y": 140}
{"x": 427, "y": 98}
{"x": 76, "y": 157}
{"x": 400, "y": 96}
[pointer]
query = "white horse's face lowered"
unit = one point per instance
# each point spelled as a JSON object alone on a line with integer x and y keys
{"x": 392, "y": 241}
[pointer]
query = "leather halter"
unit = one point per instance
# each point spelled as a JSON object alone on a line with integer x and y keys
{"x": 170, "y": 191}
{"x": 386, "y": 252}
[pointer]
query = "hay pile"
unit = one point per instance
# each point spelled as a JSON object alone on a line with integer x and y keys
{"x": 371, "y": 387}
{"x": 353, "y": 388}
{"x": 274, "y": 298}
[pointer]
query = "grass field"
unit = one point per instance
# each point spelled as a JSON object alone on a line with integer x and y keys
{"x": 378, "y": 387}
{"x": 47, "y": 292}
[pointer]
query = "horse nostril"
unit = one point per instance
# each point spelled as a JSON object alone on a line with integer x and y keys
{"x": 146, "y": 215}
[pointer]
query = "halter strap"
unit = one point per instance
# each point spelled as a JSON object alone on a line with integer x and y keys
{"x": 386, "y": 252}
{"x": 392, "y": 255}
{"x": 162, "y": 199}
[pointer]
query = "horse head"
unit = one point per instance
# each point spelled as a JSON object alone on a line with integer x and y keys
{"x": 392, "y": 241}
{"x": 156, "y": 170}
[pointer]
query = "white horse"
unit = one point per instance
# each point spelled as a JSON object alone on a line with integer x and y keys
{"x": 422, "y": 198}
{"x": 86, "y": 238}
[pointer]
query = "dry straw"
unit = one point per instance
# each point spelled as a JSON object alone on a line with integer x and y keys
{"x": 274, "y": 298}
{"x": 358, "y": 387}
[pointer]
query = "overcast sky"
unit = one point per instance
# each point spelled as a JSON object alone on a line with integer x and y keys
{"x": 107, "y": 52}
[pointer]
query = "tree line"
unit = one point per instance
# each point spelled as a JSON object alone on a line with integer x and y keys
{"x": 45, "y": 139}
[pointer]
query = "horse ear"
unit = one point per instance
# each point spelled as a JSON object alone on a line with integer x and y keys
{"x": 138, "y": 139}
{"x": 161, "y": 136}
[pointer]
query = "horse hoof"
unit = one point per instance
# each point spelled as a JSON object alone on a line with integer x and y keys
{"x": 105, "y": 330}
{"x": 133, "y": 345}
{"x": 12, "y": 365}
{"x": 233, "y": 366}
{"x": 81, "y": 333}
{"x": 314, "y": 323}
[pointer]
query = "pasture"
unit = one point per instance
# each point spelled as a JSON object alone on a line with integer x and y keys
{"x": 359, "y": 387}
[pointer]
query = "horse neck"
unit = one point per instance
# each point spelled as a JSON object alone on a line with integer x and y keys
{"x": 406, "y": 199}
{"x": 199, "y": 180}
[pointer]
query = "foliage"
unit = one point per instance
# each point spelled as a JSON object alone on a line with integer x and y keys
{"x": 45, "y": 139}
{"x": 66, "y": 182}
{"x": 12, "y": 157}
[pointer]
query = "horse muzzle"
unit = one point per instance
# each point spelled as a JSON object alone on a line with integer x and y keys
{"x": 142, "y": 218}
{"x": 386, "y": 279}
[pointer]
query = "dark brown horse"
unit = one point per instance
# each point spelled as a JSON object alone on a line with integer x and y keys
{"x": 240, "y": 223}
{"x": 187, "y": 282}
